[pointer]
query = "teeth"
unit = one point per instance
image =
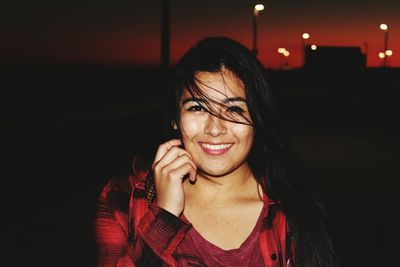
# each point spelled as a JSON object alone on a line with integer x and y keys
{"x": 216, "y": 147}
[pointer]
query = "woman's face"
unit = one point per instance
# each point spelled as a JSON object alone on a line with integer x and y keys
{"x": 218, "y": 147}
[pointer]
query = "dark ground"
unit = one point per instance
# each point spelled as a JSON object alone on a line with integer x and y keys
{"x": 66, "y": 130}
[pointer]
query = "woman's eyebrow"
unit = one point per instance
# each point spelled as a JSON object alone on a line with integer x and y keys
{"x": 234, "y": 99}
{"x": 192, "y": 99}
{"x": 226, "y": 100}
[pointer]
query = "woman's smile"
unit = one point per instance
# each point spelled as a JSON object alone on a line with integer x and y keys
{"x": 215, "y": 149}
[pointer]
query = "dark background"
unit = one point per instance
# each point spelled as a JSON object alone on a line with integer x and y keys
{"x": 67, "y": 130}
{"x": 68, "y": 126}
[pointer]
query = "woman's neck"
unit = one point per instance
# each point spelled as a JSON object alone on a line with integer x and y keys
{"x": 238, "y": 184}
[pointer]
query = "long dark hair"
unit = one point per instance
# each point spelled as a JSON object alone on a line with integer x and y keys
{"x": 270, "y": 160}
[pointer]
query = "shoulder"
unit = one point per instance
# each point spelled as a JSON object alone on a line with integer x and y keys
{"x": 118, "y": 190}
{"x": 116, "y": 193}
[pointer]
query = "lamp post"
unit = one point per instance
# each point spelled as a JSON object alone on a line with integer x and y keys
{"x": 304, "y": 36}
{"x": 257, "y": 8}
{"x": 385, "y": 56}
{"x": 284, "y": 54}
{"x": 165, "y": 40}
{"x": 384, "y": 27}
{"x": 382, "y": 56}
{"x": 388, "y": 54}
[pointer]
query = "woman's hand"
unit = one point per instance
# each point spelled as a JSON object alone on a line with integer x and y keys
{"x": 170, "y": 166}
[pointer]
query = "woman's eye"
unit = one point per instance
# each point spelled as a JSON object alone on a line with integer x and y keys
{"x": 196, "y": 108}
{"x": 235, "y": 109}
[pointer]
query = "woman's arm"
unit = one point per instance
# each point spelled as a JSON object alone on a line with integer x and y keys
{"x": 112, "y": 228}
{"x": 159, "y": 232}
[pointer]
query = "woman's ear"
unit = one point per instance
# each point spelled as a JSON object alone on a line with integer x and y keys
{"x": 174, "y": 125}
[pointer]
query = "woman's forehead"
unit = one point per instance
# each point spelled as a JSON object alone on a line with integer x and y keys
{"x": 219, "y": 85}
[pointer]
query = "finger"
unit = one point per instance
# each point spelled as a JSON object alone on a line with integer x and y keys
{"x": 163, "y": 149}
{"x": 170, "y": 156}
{"x": 180, "y": 172}
{"x": 179, "y": 161}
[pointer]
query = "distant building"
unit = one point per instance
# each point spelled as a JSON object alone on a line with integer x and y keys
{"x": 337, "y": 58}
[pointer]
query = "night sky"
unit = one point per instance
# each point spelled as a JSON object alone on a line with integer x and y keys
{"x": 128, "y": 32}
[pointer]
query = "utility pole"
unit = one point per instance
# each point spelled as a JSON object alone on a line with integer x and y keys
{"x": 165, "y": 39}
{"x": 256, "y": 9}
{"x": 386, "y": 47}
{"x": 385, "y": 28}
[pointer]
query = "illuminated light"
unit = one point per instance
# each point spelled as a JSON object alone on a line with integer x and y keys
{"x": 259, "y": 7}
{"x": 305, "y": 36}
{"x": 389, "y": 53}
{"x": 314, "y": 47}
{"x": 383, "y": 27}
{"x": 286, "y": 53}
{"x": 281, "y": 50}
{"x": 381, "y": 55}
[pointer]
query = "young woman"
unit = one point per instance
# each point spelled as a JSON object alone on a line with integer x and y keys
{"x": 225, "y": 190}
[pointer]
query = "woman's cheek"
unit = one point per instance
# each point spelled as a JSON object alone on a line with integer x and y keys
{"x": 245, "y": 134}
{"x": 190, "y": 126}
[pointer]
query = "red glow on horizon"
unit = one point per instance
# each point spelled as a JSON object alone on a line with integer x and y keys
{"x": 137, "y": 41}
{"x": 270, "y": 58}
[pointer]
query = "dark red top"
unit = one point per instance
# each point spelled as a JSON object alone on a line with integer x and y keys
{"x": 131, "y": 232}
{"x": 197, "y": 251}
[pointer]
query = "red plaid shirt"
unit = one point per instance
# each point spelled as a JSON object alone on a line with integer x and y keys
{"x": 130, "y": 231}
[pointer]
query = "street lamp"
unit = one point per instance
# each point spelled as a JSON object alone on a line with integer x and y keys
{"x": 385, "y": 56}
{"x": 384, "y": 27}
{"x": 281, "y": 50}
{"x": 257, "y": 8}
{"x": 284, "y": 55}
{"x": 305, "y": 36}
{"x": 389, "y": 53}
{"x": 382, "y": 56}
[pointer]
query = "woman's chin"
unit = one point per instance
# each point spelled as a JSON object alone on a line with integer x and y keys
{"x": 215, "y": 171}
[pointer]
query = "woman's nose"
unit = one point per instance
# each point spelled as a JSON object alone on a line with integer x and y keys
{"x": 215, "y": 126}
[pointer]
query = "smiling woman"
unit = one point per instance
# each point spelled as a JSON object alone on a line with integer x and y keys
{"x": 223, "y": 190}
{"x": 212, "y": 132}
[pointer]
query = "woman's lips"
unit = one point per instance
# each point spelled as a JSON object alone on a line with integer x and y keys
{"x": 215, "y": 149}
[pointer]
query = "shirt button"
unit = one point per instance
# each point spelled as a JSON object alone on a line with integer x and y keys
{"x": 273, "y": 256}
